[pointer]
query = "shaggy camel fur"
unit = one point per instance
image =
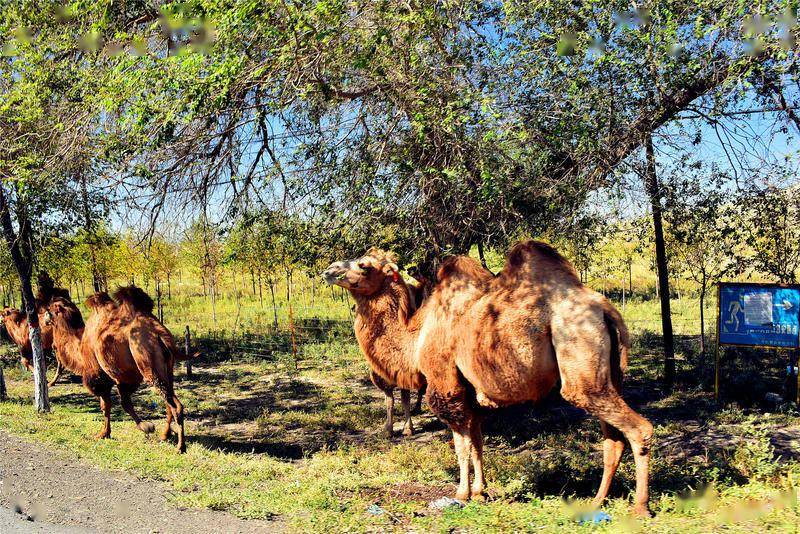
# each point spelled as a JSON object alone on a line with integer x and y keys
{"x": 485, "y": 341}
{"x": 16, "y": 325}
{"x": 67, "y": 323}
{"x": 388, "y": 365}
{"x": 122, "y": 344}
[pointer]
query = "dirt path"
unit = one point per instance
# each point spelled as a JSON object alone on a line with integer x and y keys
{"x": 50, "y": 487}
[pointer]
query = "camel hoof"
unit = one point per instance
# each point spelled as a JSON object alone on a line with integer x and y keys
{"x": 103, "y": 435}
{"x": 408, "y": 432}
{"x": 388, "y": 433}
{"x": 643, "y": 512}
{"x": 146, "y": 427}
{"x": 478, "y": 497}
{"x": 182, "y": 448}
{"x": 462, "y": 496}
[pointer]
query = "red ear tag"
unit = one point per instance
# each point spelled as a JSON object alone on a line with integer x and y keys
{"x": 395, "y": 276}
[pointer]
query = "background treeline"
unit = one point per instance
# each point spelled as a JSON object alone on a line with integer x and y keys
{"x": 295, "y": 132}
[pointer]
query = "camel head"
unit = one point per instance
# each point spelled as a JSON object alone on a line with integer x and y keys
{"x": 10, "y": 314}
{"x": 365, "y": 275}
{"x": 64, "y": 311}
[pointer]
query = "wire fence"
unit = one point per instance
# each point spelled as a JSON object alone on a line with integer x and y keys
{"x": 302, "y": 333}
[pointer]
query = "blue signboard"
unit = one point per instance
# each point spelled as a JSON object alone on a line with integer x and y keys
{"x": 762, "y": 315}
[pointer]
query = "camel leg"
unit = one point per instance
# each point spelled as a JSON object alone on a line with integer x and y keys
{"x": 388, "y": 391}
{"x": 612, "y": 409}
{"x": 476, "y": 437}
{"x": 584, "y": 351}
{"x": 613, "y": 447}
{"x": 25, "y": 358}
{"x": 167, "y": 433}
{"x": 59, "y": 372}
{"x": 405, "y": 399}
{"x": 157, "y": 371}
{"x": 447, "y": 399}
{"x": 388, "y": 427}
{"x": 105, "y": 406}
{"x": 174, "y": 410}
{"x": 125, "y": 393}
{"x": 463, "y": 446}
{"x": 420, "y": 395}
{"x": 177, "y": 410}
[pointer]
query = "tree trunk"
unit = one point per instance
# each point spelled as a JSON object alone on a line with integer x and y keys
{"x": 481, "y": 256}
{"x": 260, "y": 292}
{"x": 22, "y": 256}
{"x": 2, "y": 385}
{"x": 274, "y": 306}
{"x": 654, "y": 193}
{"x": 623, "y": 295}
{"x": 187, "y": 345}
{"x": 213, "y": 289}
{"x": 630, "y": 277}
{"x": 169, "y": 286}
{"x": 253, "y": 280}
{"x": 702, "y": 317}
{"x": 88, "y": 226}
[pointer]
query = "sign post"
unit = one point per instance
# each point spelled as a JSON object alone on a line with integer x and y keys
{"x": 758, "y": 316}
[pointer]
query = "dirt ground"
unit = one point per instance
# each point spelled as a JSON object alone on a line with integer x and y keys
{"x": 47, "y": 486}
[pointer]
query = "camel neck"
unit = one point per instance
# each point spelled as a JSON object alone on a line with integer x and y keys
{"x": 382, "y": 331}
{"x": 67, "y": 342}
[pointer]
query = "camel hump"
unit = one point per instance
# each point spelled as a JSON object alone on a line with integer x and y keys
{"x": 462, "y": 268}
{"x": 136, "y": 298}
{"x": 542, "y": 258}
{"x": 98, "y": 300}
{"x": 48, "y": 291}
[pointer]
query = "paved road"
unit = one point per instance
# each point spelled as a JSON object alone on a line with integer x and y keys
{"x": 75, "y": 498}
{"x": 14, "y": 523}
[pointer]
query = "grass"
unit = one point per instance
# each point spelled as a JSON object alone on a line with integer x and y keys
{"x": 298, "y": 437}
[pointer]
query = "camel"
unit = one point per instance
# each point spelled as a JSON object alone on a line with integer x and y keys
{"x": 15, "y": 323}
{"x": 16, "y": 326}
{"x": 121, "y": 344}
{"x": 484, "y": 341}
{"x": 387, "y": 366}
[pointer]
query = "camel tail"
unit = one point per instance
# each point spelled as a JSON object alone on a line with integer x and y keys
{"x": 620, "y": 342}
{"x": 169, "y": 345}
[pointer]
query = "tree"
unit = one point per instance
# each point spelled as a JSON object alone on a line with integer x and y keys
{"x": 772, "y": 222}
{"x": 498, "y": 117}
{"x": 703, "y": 229}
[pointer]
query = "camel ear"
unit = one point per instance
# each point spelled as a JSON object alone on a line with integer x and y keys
{"x": 391, "y": 269}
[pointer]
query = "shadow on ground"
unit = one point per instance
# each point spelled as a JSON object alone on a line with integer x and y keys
{"x": 551, "y": 448}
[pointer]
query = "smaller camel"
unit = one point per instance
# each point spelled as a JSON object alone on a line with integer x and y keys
{"x": 388, "y": 368}
{"x": 121, "y": 344}
{"x": 15, "y": 324}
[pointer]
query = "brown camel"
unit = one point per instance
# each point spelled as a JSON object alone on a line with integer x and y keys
{"x": 388, "y": 366}
{"x": 67, "y": 324}
{"x": 16, "y": 325}
{"x": 122, "y": 344}
{"x": 485, "y": 341}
